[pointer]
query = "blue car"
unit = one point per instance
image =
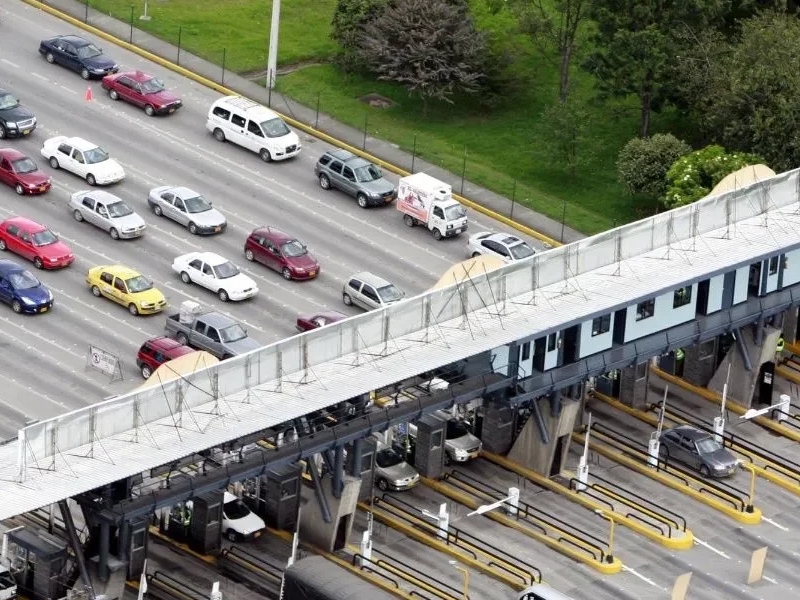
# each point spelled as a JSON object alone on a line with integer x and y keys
{"x": 20, "y": 289}
{"x": 78, "y": 54}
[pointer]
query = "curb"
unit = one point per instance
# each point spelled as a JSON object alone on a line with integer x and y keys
{"x": 297, "y": 124}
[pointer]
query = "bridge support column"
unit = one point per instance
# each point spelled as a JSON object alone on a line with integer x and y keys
{"x": 360, "y": 458}
{"x": 497, "y": 430}
{"x": 329, "y": 532}
{"x": 338, "y": 471}
{"x": 77, "y": 549}
{"x": 633, "y": 382}
{"x": 789, "y": 325}
{"x": 700, "y": 361}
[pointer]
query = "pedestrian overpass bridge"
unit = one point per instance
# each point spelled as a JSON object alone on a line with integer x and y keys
{"x": 122, "y": 437}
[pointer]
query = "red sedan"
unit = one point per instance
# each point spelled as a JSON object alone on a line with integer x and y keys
{"x": 34, "y": 242}
{"x": 142, "y": 90}
{"x": 317, "y": 320}
{"x": 280, "y": 252}
{"x": 21, "y": 173}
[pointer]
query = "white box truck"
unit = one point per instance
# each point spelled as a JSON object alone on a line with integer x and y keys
{"x": 424, "y": 200}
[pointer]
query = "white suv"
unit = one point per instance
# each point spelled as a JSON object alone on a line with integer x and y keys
{"x": 252, "y": 126}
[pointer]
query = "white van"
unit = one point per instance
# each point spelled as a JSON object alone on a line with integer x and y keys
{"x": 252, "y": 126}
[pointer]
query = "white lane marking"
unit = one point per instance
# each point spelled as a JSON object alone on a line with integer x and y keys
{"x": 8, "y": 62}
{"x": 770, "y": 579}
{"x": 29, "y": 390}
{"x": 42, "y": 77}
{"x": 642, "y": 577}
{"x": 771, "y": 522}
{"x": 68, "y": 89}
{"x": 710, "y": 547}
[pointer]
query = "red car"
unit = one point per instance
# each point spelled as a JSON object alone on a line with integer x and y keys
{"x": 34, "y": 242}
{"x": 317, "y": 320}
{"x": 142, "y": 90}
{"x": 281, "y": 252}
{"x": 157, "y": 351}
{"x": 21, "y": 173}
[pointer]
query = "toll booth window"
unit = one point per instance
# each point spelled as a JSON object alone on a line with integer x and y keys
{"x": 645, "y": 310}
{"x": 773, "y": 265}
{"x": 526, "y": 351}
{"x": 288, "y": 488}
{"x": 138, "y": 540}
{"x": 601, "y": 325}
{"x": 436, "y": 440}
{"x": 682, "y": 297}
{"x": 552, "y": 342}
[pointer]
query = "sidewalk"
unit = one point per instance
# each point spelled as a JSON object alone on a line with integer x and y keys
{"x": 350, "y": 135}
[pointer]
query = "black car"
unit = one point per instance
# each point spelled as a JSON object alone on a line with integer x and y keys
{"x": 15, "y": 119}
{"x": 78, "y": 54}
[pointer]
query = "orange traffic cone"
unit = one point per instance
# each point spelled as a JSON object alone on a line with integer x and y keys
{"x": 89, "y": 95}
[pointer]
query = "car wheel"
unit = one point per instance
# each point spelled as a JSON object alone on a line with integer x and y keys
{"x": 114, "y": 234}
{"x": 663, "y": 454}
{"x": 16, "y": 306}
{"x": 149, "y": 110}
{"x": 185, "y": 277}
{"x": 50, "y": 58}
{"x": 265, "y": 155}
{"x": 95, "y": 291}
{"x": 2, "y": 245}
{"x": 157, "y": 210}
{"x": 232, "y": 535}
{"x": 248, "y": 254}
{"x": 85, "y": 73}
{"x": 2, "y": 132}
{"x": 437, "y": 234}
{"x": 409, "y": 220}
{"x": 18, "y": 188}
{"x": 219, "y": 135}
{"x": 146, "y": 371}
{"x": 112, "y": 93}
{"x": 78, "y": 215}
{"x": 447, "y": 460}
{"x": 223, "y": 295}
{"x": 324, "y": 182}
{"x": 476, "y": 254}
{"x": 704, "y": 472}
{"x": 91, "y": 180}
{"x": 192, "y": 228}
{"x": 362, "y": 201}
{"x": 132, "y": 309}
{"x": 347, "y": 299}
{"x": 37, "y": 262}
{"x": 287, "y": 274}
{"x": 53, "y": 162}
{"x": 182, "y": 339}
{"x": 383, "y": 485}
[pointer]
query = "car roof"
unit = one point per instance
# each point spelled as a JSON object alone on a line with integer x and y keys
{"x": 217, "y": 319}
{"x": 9, "y": 266}
{"x": 276, "y": 235}
{"x": 74, "y": 40}
{"x": 80, "y": 143}
{"x": 26, "y": 224}
{"x": 691, "y": 432}
{"x": 330, "y": 315}
{"x": 171, "y": 347}
{"x": 101, "y": 195}
{"x": 370, "y": 278}
{"x": 503, "y": 238}
{"x": 139, "y": 76}
{"x": 212, "y": 258}
{"x": 119, "y": 270}
{"x": 183, "y": 192}
{"x": 348, "y": 157}
{"x": 254, "y": 110}
{"x": 11, "y": 153}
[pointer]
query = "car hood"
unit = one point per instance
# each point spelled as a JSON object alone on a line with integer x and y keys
{"x": 246, "y": 525}
{"x": 56, "y": 250}
{"x": 162, "y": 97}
{"x": 98, "y": 62}
{"x": 107, "y": 167}
{"x": 208, "y": 218}
{"x": 152, "y": 295}
{"x": 721, "y": 457}
{"x": 128, "y": 221}
{"x": 465, "y": 442}
{"x": 18, "y": 113}
{"x": 399, "y": 471}
{"x": 306, "y": 261}
{"x": 34, "y": 178}
{"x": 238, "y": 282}
{"x": 244, "y": 345}
{"x": 38, "y": 294}
{"x": 379, "y": 186}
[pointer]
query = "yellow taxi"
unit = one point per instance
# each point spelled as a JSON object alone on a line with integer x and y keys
{"x": 127, "y": 287}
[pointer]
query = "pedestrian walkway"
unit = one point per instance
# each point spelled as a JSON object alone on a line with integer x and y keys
{"x": 384, "y": 150}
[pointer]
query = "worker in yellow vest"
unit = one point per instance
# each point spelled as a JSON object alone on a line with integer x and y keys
{"x": 781, "y": 345}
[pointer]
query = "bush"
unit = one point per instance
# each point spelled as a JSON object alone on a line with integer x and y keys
{"x": 693, "y": 176}
{"x": 643, "y": 163}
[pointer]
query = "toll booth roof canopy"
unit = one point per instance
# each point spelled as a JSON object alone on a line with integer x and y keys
{"x": 44, "y": 548}
{"x": 316, "y": 578}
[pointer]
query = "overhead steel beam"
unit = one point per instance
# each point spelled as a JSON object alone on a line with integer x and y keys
{"x": 77, "y": 550}
{"x": 322, "y": 500}
{"x": 742, "y": 347}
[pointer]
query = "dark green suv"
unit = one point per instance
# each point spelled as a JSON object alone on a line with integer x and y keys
{"x": 356, "y": 176}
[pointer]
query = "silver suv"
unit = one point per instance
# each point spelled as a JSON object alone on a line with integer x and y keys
{"x": 352, "y": 174}
{"x": 370, "y": 291}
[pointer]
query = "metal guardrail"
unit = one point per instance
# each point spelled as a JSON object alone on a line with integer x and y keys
{"x": 251, "y": 570}
{"x": 172, "y": 588}
{"x": 408, "y": 574}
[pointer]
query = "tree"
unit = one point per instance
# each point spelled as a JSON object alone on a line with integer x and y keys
{"x": 636, "y": 47}
{"x": 643, "y": 164}
{"x": 428, "y": 46}
{"x": 349, "y": 18}
{"x": 565, "y": 131}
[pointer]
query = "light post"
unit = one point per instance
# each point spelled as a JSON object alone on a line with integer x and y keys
{"x": 465, "y": 574}
{"x": 272, "y": 56}
{"x": 145, "y": 16}
{"x": 610, "y": 554}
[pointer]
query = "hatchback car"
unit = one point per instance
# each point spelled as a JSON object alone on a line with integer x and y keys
{"x": 507, "y": 247}
{"x": 85, "y": 159}
{"x": 239, "y": 523}
{"x": 311, "y": 321}
{"x": 698, "y": 450}
{"x": 77, "y": 54}
{"x": 392, "y": 472}
{"x": 108, "y": 212}
{"x": 21, "y": 173}
{"x": 281, "y": 252}
{"x": 370, "y": 291}
{"x": 215, "y": 273}
{"x": 155, "y": 352}
{"x": 34, "y": 242}
{"x": 188, "y": 208}
{"x": 356, "y": 176}
{"x": 127, "y": 287}
{"x": 142, "y": 90}
{"x": 15, "y": 119}
{"x": 22, "y": 291}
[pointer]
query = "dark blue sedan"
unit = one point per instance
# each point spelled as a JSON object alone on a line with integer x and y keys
{"x": 78, "y": 54}
{"x": 20, "y": 289}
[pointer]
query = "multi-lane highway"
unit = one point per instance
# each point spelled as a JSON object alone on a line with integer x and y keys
{"x": 43, "y": 358}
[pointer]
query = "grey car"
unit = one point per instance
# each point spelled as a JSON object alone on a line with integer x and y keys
{"x": 188, "y": 208}
{"x": 392, "y": 472}
{"x": 370, "y": 291}
{"x": 343, "y": 170}
{"x": 697, "y": 449}
{"x": 108, "y": 212}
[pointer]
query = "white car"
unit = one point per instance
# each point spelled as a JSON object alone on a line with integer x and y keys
{"x": 217, "y": 274}
{"x": 239, "y": 523}
{"x": 505, "y": 246}
{"x": 87, "y": 160}
{"x": 108, "y": 212}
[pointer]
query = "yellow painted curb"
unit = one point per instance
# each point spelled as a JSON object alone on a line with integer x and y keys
{"x": 295, "y": 123}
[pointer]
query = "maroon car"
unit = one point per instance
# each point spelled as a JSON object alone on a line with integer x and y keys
{"x": 281, "y": 252}
{"x": 156, "y": 352}
{"x": 142, "y": 90}
{"x": 21, "y": 173}
{"x": 316, "y": 320}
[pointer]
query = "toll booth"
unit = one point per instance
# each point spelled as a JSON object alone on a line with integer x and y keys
{"x": 429, "y": 447}
{"x": 39, "y": 563}
{"x": 275, "y": 496}
{"x": 368, "y": 449}
{"x": 138, "y": 540}
{"x": 205, "y": 525}
{"x": 766, "y": 377}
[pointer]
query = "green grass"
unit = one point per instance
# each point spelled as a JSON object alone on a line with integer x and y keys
{"x": 503, "y": 146}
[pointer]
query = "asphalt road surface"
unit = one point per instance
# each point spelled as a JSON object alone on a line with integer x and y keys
{"x": 43, "y": 358}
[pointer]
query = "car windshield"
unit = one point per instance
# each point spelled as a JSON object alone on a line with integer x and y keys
{"x": 368, "y": 173}
{"x": 138, "y": 284}
{"x": 521, "y": 251}
{"x": 388, "y": 458}
{"x": 452, "y": 213}
{"x": 95, "y": 155}
{"x": 8, "y": 101}
{"x": 23, "y": 280}
{"x": 455, "y": 430}
{"x": 235, "y": 509}
{"x": 389, "y": 293}
{"x": 226, "y": 270}
{"x": 89, "y": 51}
{"x": 293, "y": 248}
{"x": 233, "y": 333}
{"x": 708, "y": 445}
{"x": 152, "y": 86}
{"x": 24, "y": 165}
{"x": 197, "y": 204}
{"x": 119, "y": 209}
{"x": 44, "y": 238}
{"x": 275, "y": 128}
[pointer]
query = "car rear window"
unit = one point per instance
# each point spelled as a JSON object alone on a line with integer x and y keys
{"x": 324, "y": 159}
{"x": 221, "y": 113}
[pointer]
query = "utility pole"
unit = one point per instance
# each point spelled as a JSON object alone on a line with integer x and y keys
{"x": 272, "y": 57}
